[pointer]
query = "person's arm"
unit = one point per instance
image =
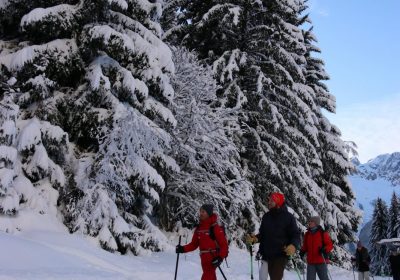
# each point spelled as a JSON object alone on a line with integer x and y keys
{"x": 260, "y": 236}
{"x": 221, "y": 241}
{"x": 294, "y": 233}
{"x": 193, "y": 244}
{"x": 304, "y": 248}
{"x": 293, "y": 237}
{"x": 327, "y": 242}
{"x": 260, "y": 233}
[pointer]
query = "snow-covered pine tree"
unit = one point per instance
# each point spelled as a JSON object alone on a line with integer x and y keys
{"x": 261, "y": 61}
{"x": 379, "y": 254}
{"x": 99, "y": 70}
{"x": 394, "y": 217}
{"x": 29, "y": 162}
{"x": 208, "y": 158}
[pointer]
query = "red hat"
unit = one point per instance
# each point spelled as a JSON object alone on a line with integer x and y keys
{"x": 278, "y": 198}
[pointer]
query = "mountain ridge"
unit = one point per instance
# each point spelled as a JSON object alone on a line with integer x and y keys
{"x": 385, "y": 166}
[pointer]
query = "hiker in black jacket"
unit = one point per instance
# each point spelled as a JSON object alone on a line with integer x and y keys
{"x": 395, "y": 263}
{"x": 279, "y": 238}
{"x": 362, "y": 261}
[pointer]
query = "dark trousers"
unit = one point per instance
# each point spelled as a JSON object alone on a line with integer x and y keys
{"x": 317, "y": 269}
{"x": 276, "y": 267}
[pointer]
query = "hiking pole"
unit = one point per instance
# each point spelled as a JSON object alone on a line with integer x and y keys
{"x": 177, "y": 258}
{"x": 251, "y": 262}
{"x": 295, "y": 267}
{"x": 223, "y": 275}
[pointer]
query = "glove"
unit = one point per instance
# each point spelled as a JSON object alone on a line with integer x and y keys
{"x": 251, "y": 239}
{"x": 258, "y": 256}
{"x": 323, "y": 252}
{"x": 302, "y": 254}
{"x": 217, "y": 261}
{"x": 179, "y": 249}
{"x": 290, "y": 250}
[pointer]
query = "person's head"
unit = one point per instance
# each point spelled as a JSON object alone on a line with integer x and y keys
{"x": 359, "y": 245}
{"x": 276, "y": 200}
{"x": 206, "y": 211}
{"x": 314, "y": 222}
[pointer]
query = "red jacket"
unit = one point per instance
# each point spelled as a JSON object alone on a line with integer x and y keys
{"x": 201, "y": 238}
{"x": 313, "y": 243}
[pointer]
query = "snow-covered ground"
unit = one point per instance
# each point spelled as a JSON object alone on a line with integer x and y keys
{"x": 48, "y": 255}
{"x": 368, "y": 190}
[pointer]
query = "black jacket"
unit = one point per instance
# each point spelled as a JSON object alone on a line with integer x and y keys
{"x": 395, "y": 264}
{"x": 362, "y": 259}
{"x": 278, "y": 229}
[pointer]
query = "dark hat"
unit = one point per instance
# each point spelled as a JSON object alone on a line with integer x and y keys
{"x": 209, "y": 208}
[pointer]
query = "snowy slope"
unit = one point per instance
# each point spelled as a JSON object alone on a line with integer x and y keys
{"x": 379, "y": 177}
{"x": 368, "y": 190}
{"x": 49, "y": 255}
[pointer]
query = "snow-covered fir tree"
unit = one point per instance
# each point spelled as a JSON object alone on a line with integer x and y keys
{"x": 394, "y": 217}
{"x": 98, "y": 72}
{"x": 32, "y": 153}
{"x": 379, "y": 254}
{"x": 208, "y": 158}
{"x": 263, "y": 62}
{"x": 91, "y": 130}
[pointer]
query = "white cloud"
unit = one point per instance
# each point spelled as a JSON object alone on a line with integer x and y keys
{"x": 374, "y": 126}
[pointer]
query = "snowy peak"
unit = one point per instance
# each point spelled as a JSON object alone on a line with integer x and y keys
{"x": 385, "y": 166}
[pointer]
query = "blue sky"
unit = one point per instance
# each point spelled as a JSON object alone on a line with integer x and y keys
{"x": 360, "y": 42}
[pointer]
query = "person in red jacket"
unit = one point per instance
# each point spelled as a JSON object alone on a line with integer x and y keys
{"x": 214, "y": 248}
{"x": 317, "y": 244}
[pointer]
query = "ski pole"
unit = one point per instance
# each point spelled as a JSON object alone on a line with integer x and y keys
{"x": 177, "y": 259}
{"x": 223, "y": 275}
{"x": 295, "y": 268}
{"x": 354, "y": 275}
{"x": 251, "y": 262}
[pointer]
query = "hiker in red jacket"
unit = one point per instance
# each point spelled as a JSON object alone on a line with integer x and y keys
{"x": 317, "y": 244}
{"x": 211, "y": 240}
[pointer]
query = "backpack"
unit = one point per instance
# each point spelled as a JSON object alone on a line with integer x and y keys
{"x": 212, "y": 233}
{"x": 212, "y": 236}
{"x": 322, "y": 231}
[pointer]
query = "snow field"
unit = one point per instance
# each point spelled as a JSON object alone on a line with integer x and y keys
{"x": 45, "y": 255}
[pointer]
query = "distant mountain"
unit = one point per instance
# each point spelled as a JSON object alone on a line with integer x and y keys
{"x": 379, "y": 177}
{"x": 365, "y": 233}
{"x": 385, "y": 166}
